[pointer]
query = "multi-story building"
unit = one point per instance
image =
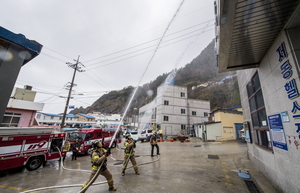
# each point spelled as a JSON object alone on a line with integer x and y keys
{"x": 48, "y": 119}
{"x": 85, "y": 118}
{"x": 173, "y": 111}
{"x": 260, "y": 39}
{"x": 72, "y": 120}
{"x": 106, "y": 120}
{"x": 21, "y": 108}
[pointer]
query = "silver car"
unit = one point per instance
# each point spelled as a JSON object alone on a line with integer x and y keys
{"x": 145, "y": 135}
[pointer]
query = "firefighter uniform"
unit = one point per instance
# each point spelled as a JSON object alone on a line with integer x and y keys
{"x": 160, "y": 134}
{"x": 129, "y": 146}
{"x": 66, "y": 149}
{"x": 99, "y": 160}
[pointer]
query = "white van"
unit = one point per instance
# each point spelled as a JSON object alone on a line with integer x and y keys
{"x": 145, "y": 135}
{"x": 134, "y": 135}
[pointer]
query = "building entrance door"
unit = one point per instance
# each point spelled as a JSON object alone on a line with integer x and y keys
{"x": 238, "y": 126}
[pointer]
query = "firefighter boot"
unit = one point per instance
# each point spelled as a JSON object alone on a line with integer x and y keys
{"x": 112, "y": 189}
{"x": 137, "y": 173}
{"x": 123, "y": 173}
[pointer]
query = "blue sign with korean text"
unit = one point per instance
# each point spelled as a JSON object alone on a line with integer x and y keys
{"x": 277, "y": 132}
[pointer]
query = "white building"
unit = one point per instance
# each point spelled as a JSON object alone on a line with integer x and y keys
{"x": 172, "y": 111}
{"x": 106, "y": 119}
{"x": 260, "y": 39}
{"x": 48, "y": 119}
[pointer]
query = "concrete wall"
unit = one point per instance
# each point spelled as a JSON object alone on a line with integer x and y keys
{"x": 228, "y": 125}
{"x": 281, "y": 166}
{"x": 200, "y": 107}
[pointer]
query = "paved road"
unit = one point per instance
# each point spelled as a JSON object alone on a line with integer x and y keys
{"x": 196, "y": 166}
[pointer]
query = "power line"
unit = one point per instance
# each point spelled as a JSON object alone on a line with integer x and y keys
{"x": 146, "y": 51}
{"x": 58, "y": 53}
{"x": 149, "y": 29}
{"x": 43, "y": 53}
{"x": 149, "y": 41}
{"x": 154, "y": 45}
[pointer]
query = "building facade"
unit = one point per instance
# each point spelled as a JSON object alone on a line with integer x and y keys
{"x": 21, "y": 109}
{"x": 173, "y": 111}
{"x": 223, "y": 125}
{"x": 106, "y": 120}
{"x": 16, "y": 51}
{"x": 72, "y": 120}
{"x": 260, "y": 39}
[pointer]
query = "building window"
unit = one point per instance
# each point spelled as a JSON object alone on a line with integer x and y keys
{"x": 182, "y": 94}
{"x": 205, "y": 114}
{"x": 166, "y": 102}
{"x": 38, "y": 116}
{"x": 258, "y": 113}
{"x": 194, "y": 113}
{"x": 183, "y": 127}
{"x": 166, "y": 118}
{"x": 51, "y": 117}
{"x": 11, "y": 119}
{"x": 182, "y": 111}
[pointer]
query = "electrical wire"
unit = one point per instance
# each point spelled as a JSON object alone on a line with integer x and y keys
{"x": 150, "y": 29}
{"x": 58, "y": 53}
{"x": 165, "y": 41}
{"x": 146, "y": 51}
{"x": 147, "y": 42}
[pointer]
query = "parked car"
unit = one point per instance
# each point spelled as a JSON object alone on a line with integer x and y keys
{"x": 145, "y": 135}
{"x": 134, "y": 135}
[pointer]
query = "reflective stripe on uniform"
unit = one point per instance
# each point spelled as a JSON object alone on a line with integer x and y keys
{"x": 128, "y": 154}
{"x": 110, "y": 180}
{"x": 135, "y": 166}
{"x": 95, "y": 167}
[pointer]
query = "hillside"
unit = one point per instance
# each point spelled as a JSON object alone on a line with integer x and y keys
{"x": 221, "y": 91}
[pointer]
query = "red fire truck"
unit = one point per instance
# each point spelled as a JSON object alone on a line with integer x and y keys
{"x": 87, "y": 136}
{"x": 29, "y": 146}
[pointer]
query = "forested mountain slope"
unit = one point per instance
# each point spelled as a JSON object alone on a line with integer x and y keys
{"x": 200, "y": 76}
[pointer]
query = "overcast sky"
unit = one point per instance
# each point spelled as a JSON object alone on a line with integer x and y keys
{"x": 115, "y": 40}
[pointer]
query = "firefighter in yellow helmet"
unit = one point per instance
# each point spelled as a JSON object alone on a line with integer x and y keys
{"x": 66, "y": 149}
{"x": 99, "y": 159}
{"x": 129, "y": 146}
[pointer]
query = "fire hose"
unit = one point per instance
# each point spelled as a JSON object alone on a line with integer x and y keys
{"x": 65, "y": 186}
{"x": 79, "y": 185}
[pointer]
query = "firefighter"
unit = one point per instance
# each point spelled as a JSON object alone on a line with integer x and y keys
{"x": 160, "y": 134}
{"x": 99, "y": 158}
{"x": 153, "y": 142}
{"x": 129, "y": 146}
{"x": 66, "y": 148}
{"x": 75, "y": 148}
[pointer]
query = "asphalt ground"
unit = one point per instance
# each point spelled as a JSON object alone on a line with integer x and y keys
{"x": 195, "y": 166}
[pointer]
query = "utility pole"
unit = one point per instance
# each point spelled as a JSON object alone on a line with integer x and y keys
{"x": 76, "y": 67}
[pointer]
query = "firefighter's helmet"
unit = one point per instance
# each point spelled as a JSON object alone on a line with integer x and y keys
{"x": 96, "y": 144}
{"x": 127, "y": 136}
